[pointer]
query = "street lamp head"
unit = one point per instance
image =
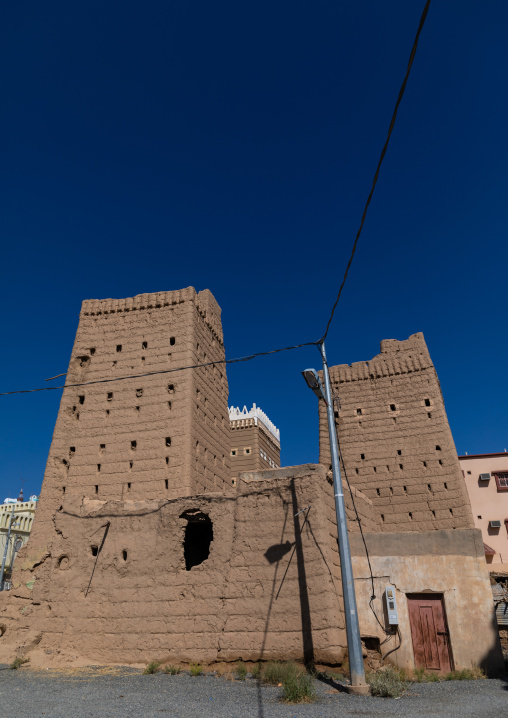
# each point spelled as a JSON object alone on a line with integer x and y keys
{"x": 314, "y": 382}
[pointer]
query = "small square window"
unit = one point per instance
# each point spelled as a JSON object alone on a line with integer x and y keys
{"x": 233, "y": 452}
{"x": 501, "y": 480}
{"x": 247, "y": 450}
{"x": 119, "y": 347}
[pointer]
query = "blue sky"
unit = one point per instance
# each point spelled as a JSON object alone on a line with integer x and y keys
{"x": 228, "y": 145}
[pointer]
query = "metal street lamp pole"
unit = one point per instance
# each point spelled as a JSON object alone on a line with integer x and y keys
{"x": 354, "y": 642}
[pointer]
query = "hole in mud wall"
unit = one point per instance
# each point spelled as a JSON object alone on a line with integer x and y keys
{"x": 92, "y": 351}
{"x": 63, "y": 562}
{"x": 393, "y": 407}
{"x": 171, "y": 388}
{"x": 110, "y": 396}
{"x": 139, "y": 392}
{"x": 81, "y": 399}
{"x": 166, "y": 482}
{"x": 144, "y": 345}
{"x": 198, "y": 537}
{"x": 63, "y": 489}
{"x": 134, "y": 445}
{"x": 359, "y": 412}
{"x": 372, "y": 643}
{"x": 172, "y": 341}
{"x": 427, "y": 402}
{"x": 168, "y": 441}
{"x": 96, "y": 488}
{"x": 119, "y": 347}
{"x": 94, "y": 550}
{"x": 128, "y": 486}
{"x": 124, "y": 555}
{"x": 72, "y": 451}
{"x": 169, "y": 405}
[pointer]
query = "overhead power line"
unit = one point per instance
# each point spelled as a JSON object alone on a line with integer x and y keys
{"x": 381, "y": 158}
{"x": 295, "y": 346}
{"x": 161, "y": 371}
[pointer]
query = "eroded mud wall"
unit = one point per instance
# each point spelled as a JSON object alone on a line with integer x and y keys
{"x": 396, "y": 441}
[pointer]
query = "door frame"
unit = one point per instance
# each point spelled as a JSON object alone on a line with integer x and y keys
{"x": 425, "y": 596}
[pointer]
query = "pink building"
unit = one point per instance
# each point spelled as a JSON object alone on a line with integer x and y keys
{"x": 486, "y": 478}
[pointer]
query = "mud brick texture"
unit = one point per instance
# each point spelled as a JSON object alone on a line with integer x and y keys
{"x": 269, "y": 588}
{"x": 153, "y": 436}
{"x": 395, "y": 439}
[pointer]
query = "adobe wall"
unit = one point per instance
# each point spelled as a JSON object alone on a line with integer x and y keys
{"x": 154, "y": 436}
{"x": 396, "y": 441}
{"x": 447, "y": 562}
{"x": 270, "y": 587}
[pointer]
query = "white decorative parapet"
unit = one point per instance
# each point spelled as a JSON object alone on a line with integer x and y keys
{"x": 257, "y": 414}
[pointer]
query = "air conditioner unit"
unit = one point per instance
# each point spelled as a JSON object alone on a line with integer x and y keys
{"x": 495, "y": 524}
{"x": 484, "y": 477}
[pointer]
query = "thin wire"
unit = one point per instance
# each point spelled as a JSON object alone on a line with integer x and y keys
{"x": 162, "y": 371}
{"x": 381, "y": 158}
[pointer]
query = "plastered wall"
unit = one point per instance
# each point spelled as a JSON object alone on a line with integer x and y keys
{"x": 449, "y": 563}
{"x": 395, "y": 439}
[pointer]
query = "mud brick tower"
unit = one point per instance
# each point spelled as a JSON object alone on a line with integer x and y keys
{"x": 396, "y": 441}
{"x": 150, "y": 437}
{"x": 255, "y": 441}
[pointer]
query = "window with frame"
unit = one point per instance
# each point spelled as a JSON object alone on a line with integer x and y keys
{"x": 501, "y": 480}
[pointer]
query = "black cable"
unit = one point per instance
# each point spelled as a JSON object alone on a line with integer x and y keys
{"x": 162, "y": 371}
{"x": 381, "y": 158}
{"x": 99, "y": 549}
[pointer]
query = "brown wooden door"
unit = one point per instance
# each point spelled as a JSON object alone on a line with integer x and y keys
{"x": 431, "y": 642}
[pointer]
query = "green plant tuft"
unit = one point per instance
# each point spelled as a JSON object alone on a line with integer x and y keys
{"x": 257, "y": 670}
{"x": 298, "y": 687}
{"x": 172, "y": 670}
{"x": 275, "y": 672}
{"x": 17, "y": 662}
{"x": 241, "y": 671}
{"x": 387, "y": 683}
{"x": 152, "y": 668}
{"x": 196, "y": 669}
{"x": 466, "y": 674}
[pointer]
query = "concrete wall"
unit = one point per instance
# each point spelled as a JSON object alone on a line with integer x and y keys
{"x": 395, "y": 439}
{"x": 451, "y": 563}
{"x": 489, "y": 502}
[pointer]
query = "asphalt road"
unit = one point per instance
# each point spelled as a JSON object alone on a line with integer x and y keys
{"x": 126, "y": 693}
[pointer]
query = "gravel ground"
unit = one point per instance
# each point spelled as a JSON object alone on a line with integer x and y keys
{"x": 126, "y": 693}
